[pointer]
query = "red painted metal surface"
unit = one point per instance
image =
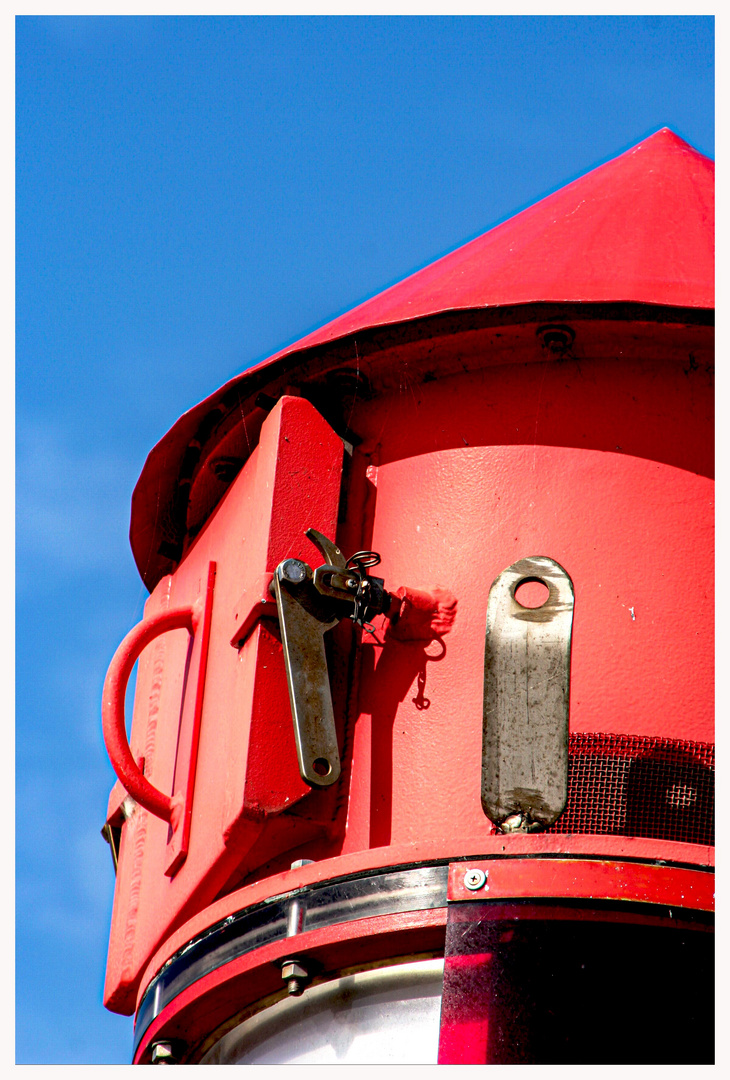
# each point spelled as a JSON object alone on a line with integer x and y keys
{"x": 470, "y": 849}
{"x": 197, "y": 1012}
{"x": 586, "y": 879}
{"x": 638, "y": 229}
{"x": 555, "y": 399}
{"x": 246, "y": 771}
{"x": 188, "y": 742}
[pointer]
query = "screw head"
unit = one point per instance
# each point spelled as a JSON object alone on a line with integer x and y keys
{"x": 474, "y": 879}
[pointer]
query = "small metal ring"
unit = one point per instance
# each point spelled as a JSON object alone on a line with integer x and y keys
{"x": 363, "y": 560}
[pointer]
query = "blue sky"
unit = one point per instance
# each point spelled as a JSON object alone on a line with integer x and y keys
{"x": 191, "y": 195}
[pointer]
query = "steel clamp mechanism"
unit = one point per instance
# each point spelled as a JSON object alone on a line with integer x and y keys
{"x": 526, "y": 693}
{"x": 309, "y": 603}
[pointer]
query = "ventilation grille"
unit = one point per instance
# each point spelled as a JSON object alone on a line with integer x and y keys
{"x": 629, "y": 785}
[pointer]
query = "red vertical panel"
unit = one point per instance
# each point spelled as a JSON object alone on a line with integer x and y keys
{"x": 245, "y": 771}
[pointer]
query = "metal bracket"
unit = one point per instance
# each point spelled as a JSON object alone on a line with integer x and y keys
{"x": 309, "y": 604}
{"x": 526, "y": 697}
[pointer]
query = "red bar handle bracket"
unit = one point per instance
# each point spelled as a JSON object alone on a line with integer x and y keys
{"x": 112, "y": 708}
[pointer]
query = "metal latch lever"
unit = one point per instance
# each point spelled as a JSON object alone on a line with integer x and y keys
{"x": 311, "y": 602}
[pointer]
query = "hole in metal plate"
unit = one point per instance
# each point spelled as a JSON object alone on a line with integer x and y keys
{"x": 531, "y": 593}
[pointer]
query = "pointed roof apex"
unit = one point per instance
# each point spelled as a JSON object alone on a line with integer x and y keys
{"x": 639, "y": 228}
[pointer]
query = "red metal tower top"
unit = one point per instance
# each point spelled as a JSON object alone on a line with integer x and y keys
{"x": 637, "y": 230}
{"x": 533, "y": 410}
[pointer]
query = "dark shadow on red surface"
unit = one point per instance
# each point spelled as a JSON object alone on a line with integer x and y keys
{"x": 391, "y": 676}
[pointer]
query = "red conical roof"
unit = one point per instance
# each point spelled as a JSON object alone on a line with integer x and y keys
{"x": 638, "y": 229}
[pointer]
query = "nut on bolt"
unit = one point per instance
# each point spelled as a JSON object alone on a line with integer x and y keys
{"x": 295, "y": 976}
{"x": 474, "y": 879}
{"x": 163, "y": 1053}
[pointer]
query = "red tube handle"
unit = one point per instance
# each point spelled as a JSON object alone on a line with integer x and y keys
{"x": 112, "y": 709}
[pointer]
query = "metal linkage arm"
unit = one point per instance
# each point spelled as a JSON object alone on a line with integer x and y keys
{"x": 309, "y": 604}
{"x": 303, "y": 625}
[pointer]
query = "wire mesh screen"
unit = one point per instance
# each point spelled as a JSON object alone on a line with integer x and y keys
{"x": 630, "y": 785}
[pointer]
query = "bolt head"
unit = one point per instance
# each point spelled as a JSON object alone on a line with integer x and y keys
{"x": 474, "y": 879}
{"x": 293, "y": 571}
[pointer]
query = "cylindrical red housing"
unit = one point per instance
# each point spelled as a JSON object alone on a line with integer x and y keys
{"x": 544, "y": 391}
